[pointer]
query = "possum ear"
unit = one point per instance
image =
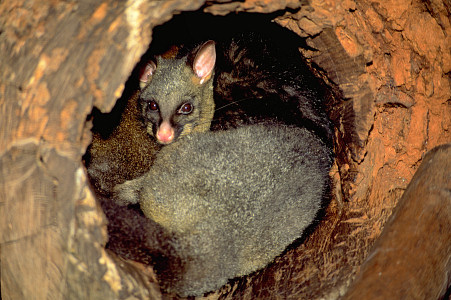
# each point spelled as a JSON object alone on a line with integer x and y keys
{"x": 146, "y": 73}
{"x": 204, "y": 61}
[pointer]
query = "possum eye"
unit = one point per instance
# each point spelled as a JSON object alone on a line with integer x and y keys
{"x": 185, "y": 109}
{"x": 152, "y": 105}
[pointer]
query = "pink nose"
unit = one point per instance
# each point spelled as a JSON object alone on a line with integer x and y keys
{"x": 165, "y": 133}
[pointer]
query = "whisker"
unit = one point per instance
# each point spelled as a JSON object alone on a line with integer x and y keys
{"x": 197, "y": 123}
{"x": 205, "y": 122}
{"x": 234, "y": 102}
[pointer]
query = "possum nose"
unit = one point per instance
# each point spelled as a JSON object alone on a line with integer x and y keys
{"x": 165, "y": 134}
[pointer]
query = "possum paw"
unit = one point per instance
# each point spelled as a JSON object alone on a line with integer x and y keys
{"x": 126, "y": 193}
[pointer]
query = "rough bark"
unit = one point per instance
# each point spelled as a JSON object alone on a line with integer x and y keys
{"x": 389, "y": 59}
{"x": 58, "y": 59}
{"x": 412, "y": 257}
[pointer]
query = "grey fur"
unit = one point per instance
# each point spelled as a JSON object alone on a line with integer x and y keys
{"x": 173, "y": 84}
{"x": 128, "y": 150}
{"x": 231, "y": 200}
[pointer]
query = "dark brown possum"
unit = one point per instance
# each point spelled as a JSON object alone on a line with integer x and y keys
{"x": 259, "y": 79}
{"x": 123, "y": 154}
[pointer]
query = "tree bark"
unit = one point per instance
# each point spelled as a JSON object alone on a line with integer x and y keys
{"x": 412, "y": 257}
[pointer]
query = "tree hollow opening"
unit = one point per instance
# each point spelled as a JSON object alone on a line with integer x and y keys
{"x": 127, "y": 150}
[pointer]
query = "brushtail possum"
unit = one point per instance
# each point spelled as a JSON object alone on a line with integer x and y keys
{"x": 173, "y": 107}
{"x": 249, "y": 79}
{"x": 123, "y": 154}
{"x": 230, "y": 200}
{"x": 176, "y": 98}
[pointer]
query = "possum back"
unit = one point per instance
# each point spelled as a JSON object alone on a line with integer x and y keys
{"x": 233, "y": 200}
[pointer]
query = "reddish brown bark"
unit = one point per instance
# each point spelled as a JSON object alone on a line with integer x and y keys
{"x": 412, "y": 257}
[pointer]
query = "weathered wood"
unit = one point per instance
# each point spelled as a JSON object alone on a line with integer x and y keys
{"x": 58, "y": 59}
{"x": 412, "y": 257}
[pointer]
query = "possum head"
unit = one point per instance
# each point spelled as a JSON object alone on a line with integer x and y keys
{"x": 177, "y": 94}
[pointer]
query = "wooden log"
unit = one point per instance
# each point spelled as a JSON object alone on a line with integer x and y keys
{"x": 59, "y": 59}
{"x": 412, "y": 257}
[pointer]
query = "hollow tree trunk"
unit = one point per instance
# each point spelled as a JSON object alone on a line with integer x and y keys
{"x": 389, "y": 59}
